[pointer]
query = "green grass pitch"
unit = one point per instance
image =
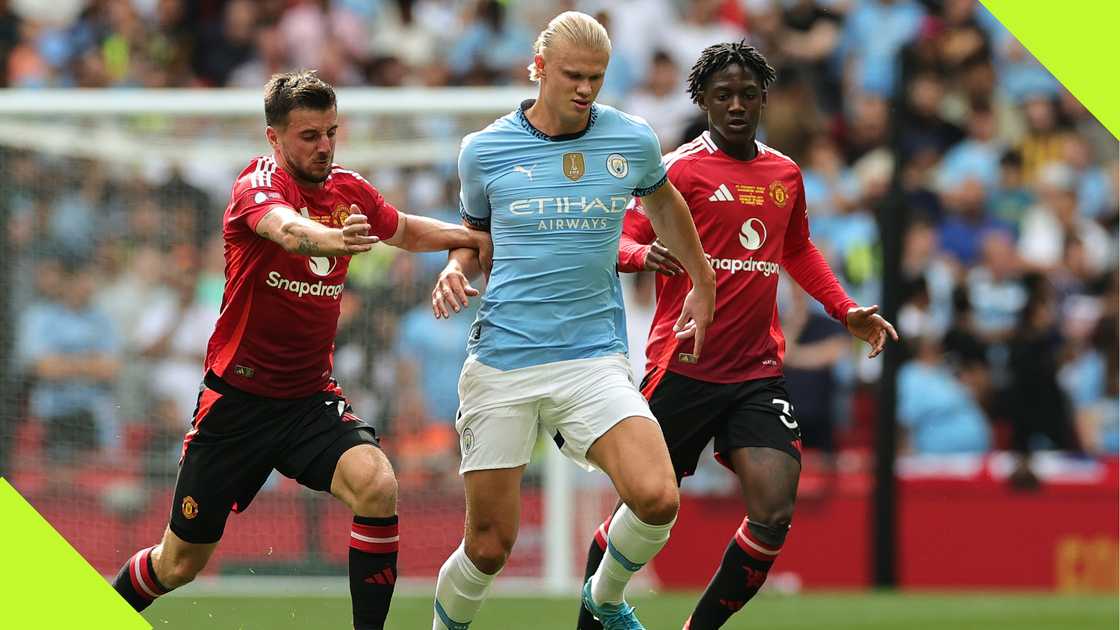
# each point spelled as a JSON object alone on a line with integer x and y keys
{"x": 832, "y": 611}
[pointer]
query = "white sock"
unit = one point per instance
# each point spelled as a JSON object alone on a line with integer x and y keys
{"x": 630, "y": 544}
{"x": 459, "y": 591}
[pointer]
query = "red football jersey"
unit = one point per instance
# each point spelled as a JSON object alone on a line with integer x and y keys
{"x": 275, "y": 334}
{"x": 752, "y": 221}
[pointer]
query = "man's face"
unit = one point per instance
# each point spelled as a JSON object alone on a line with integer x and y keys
{"x": 571, "y": 80}
{"x": 733, "y": 99}
{"x": 306, "y": 143}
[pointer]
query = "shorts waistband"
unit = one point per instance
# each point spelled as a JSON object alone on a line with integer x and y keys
{"x": 216, "y": 383}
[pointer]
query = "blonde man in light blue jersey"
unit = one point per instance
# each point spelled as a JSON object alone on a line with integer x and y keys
{"x": 550, "y": 182}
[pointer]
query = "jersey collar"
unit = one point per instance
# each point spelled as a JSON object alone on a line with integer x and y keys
{"x": 524, "y": 120}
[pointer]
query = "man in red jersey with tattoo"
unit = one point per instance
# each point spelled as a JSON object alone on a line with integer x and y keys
{"x": 268, "y": 400}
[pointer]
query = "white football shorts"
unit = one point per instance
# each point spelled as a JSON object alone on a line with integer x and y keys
{"x": 575, "y": 402}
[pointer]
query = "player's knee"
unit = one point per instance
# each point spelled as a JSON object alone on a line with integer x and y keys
{"x": 489, "y": 548}
{"x": 657, "y": 504}
{"x": 775, "y": 514}
{"x": 375, "y": 493}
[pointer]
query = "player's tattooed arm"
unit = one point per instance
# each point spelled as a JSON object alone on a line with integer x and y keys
{"x": 299, "y": 235}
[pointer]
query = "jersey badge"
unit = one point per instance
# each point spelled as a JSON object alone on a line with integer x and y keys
{"x": 190, "y": 508}
{"x": 573, "y": 166}
{"x": 617, "y": 165}
{"x": 778, "y": 193}
{"x": 340, "y": 214}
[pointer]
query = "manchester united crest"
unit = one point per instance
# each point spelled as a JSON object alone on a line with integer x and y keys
{"x": 190, "y": 508}
{"x": 340, "y": 214}
{"x": 573, "y": 166}
{"x": 778, "y": 193}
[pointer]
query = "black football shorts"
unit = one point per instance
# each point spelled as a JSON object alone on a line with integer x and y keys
{"x": 736, "y": 415}
{"x": 237, "y": 439}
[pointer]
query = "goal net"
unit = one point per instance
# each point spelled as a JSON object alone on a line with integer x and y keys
{"x": 111, "y": 211}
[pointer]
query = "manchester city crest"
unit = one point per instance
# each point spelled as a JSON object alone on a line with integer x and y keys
{"x": 617, "y": 165}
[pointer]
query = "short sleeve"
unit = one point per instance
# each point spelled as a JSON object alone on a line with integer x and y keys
{"x": 655, "y": 174}
{"x": 474, "y": 205}
{"x": 259, "y": 189}
{"x": 383, "y": 216}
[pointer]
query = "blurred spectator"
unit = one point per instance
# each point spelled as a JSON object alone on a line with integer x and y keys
{"x": 1042, "y": 143}
{"x": 637, "y": 16}
{"x": 225, "y": 45}
{"x": 939, "y": 414}
{"x": 868, "y": 126}
{"x": 967, "y": 224}
{"x": 434, "y": 351}
{"x": 701, "y": 24}
{"x": 995, "y": 289}
{"x": 411, "y": 31}
{"x": 9, "y": 37}
{"x": 830, "y": 186}
{"x": 621, "y": 79}
{"x": 269, "y": 56}
{"x": 662, "y": 101}
{"x": 975, "y": 158}
{"x": 927, "y": 268}
{"x": 1011, "y": 200}
{"x": 171, "y": 336}
{"x": 1090, "y": 374}
{"x": 925, "y": 132}
{"x": 1040, "y": 411}
{"x": 810, "y": 37}
{"x": 1096, "y": 196}
{"x": 1051, "y": 227}
{"x": 68, "y": 349}
{"x": 493, "y": 49}
{"x": 874, "y": 31}
{"x": 815, "y": 344}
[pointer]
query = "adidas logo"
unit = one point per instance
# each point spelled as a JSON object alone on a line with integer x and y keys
{"x": 721, "y": 194}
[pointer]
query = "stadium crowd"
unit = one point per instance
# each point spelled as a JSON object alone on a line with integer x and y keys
{"x": 1010, "y": 315}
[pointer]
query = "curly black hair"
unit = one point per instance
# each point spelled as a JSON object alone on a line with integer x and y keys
{"x": 718, "y": 56}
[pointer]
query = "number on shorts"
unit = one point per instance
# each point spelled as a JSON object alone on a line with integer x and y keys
{"x": 784, "y": 414}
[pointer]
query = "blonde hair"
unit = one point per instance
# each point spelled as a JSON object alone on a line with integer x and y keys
{"x": 579, "y": 29}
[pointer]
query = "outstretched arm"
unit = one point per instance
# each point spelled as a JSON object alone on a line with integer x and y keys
{"x": 298, "y": 234}
{"x": 423, "y": 234}
{"x": 807, "y": 266}
{"x": 672, "y": 222}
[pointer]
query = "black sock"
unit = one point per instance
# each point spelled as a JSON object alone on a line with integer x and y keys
{"x": 594, "y": 558}
{"x": 137, "y": 582}
{"x": 746, "y": 562}
{"x": 373, "y": 569}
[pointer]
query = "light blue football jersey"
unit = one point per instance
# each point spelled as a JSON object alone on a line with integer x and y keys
{"x": 554, "y": 206}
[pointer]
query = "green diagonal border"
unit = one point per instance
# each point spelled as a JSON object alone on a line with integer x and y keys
{"x": 1076, "y": 42}
{"x": 45, "y": 584}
